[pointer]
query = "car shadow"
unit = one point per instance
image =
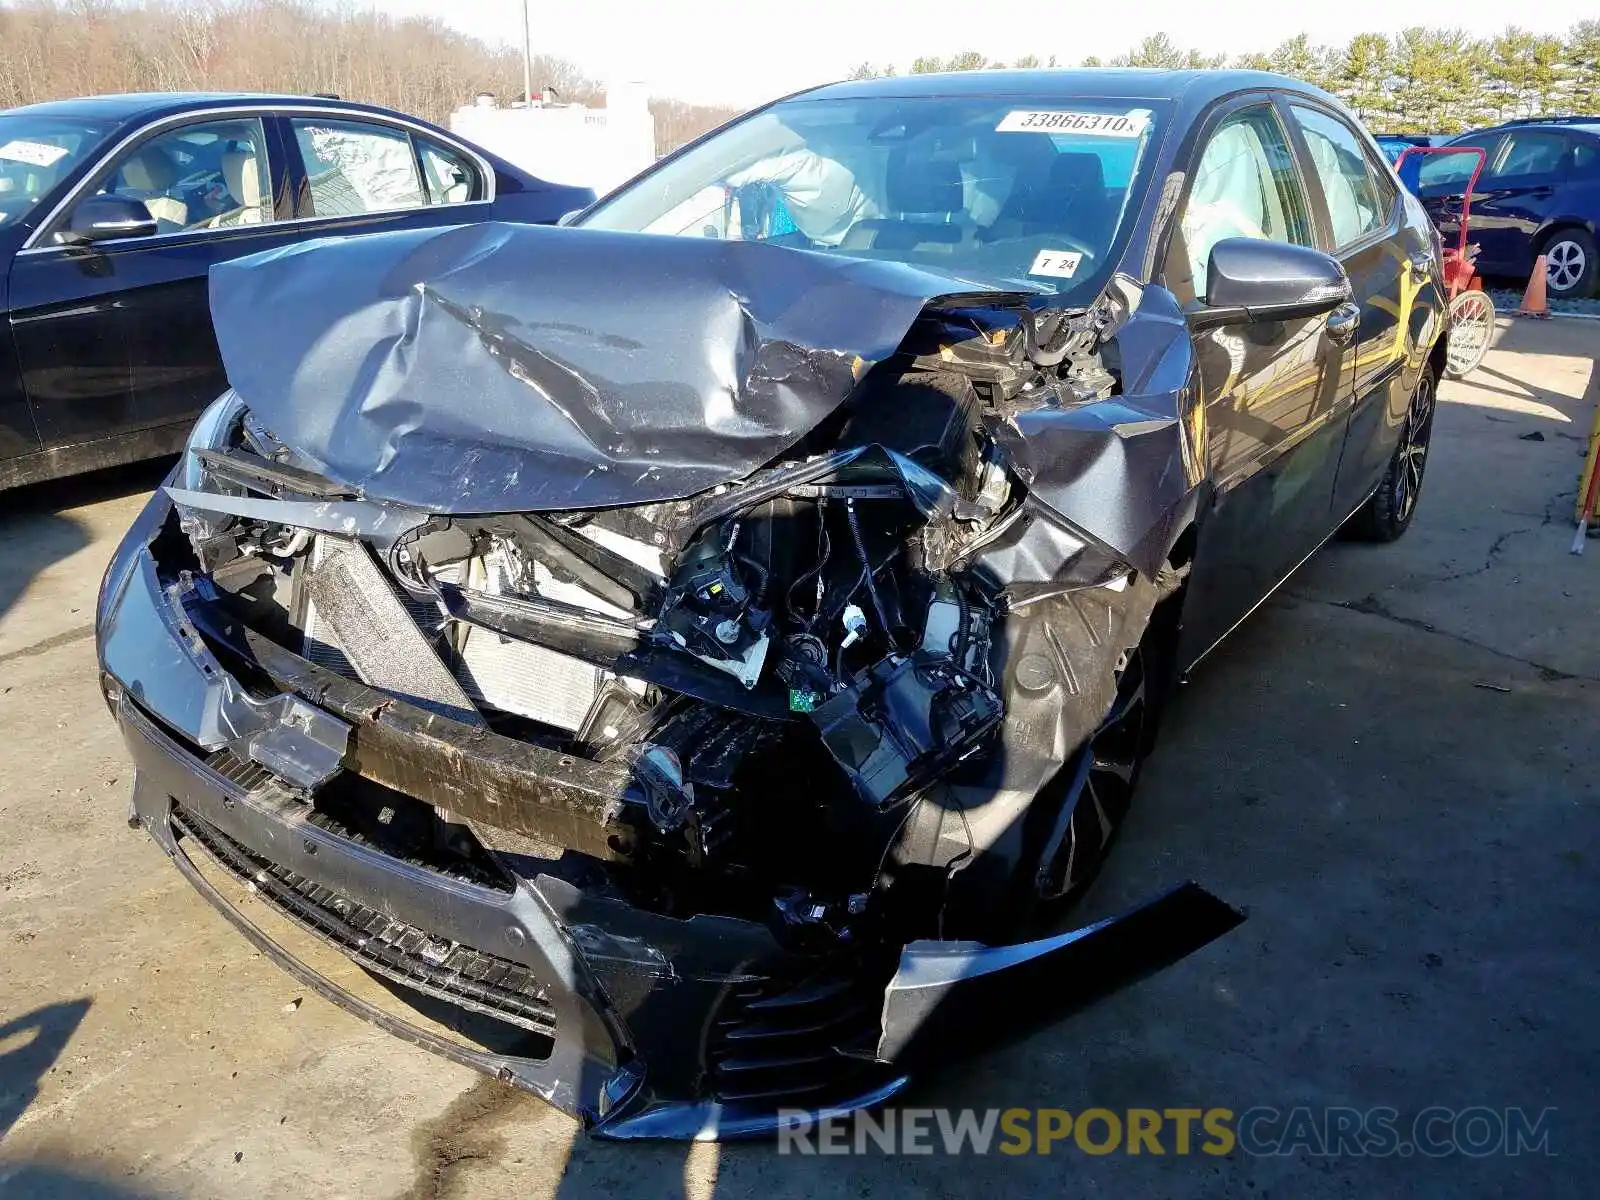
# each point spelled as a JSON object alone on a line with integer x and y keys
{"x": 38, "y": 527}
{"x": 29, "y": 1047}
{"x": 39, "y": 1180}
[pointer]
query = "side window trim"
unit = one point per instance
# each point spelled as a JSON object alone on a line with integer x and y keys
{"x": 38, "y": 242}
{"x": 112, "y": 161}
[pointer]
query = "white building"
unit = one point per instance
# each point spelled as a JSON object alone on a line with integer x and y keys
{"x": 568, "y": 143}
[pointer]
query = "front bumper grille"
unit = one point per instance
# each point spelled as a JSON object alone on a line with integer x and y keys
{"x": 400, "y": 952}
{"x": 801, "y": 1044}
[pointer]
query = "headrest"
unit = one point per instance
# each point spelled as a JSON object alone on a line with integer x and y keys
{"x": 150, "y": 170}
{"x": 243, "y": 177}
{"x": 922, "y": 185}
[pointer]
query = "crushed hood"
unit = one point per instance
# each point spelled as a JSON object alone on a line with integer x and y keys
{"x": 500, "y": 367}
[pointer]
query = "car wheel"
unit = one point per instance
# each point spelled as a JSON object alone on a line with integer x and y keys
{"x": 1387, "y": 513}
{"x": 1107, "y": 767}
{"x": 1571, "y": 261}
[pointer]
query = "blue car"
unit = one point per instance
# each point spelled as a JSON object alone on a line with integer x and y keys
{"x": 1394, "y": 145}
{"x": 1539, "y": 194}
{"x": 113, "y": 210}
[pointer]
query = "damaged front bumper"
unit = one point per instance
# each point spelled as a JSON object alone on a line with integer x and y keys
{"x": 638, "y": 1023}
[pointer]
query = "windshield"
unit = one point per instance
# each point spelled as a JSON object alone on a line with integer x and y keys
{"x": 35, "y": 154}
{"x": 1004, "y": 191}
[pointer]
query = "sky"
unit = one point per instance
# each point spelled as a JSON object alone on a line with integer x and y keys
{"x": 741, "y": 52}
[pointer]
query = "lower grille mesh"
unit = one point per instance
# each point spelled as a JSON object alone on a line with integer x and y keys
{"x": 807, "y": 1042}
{"x": 436, "y": 967}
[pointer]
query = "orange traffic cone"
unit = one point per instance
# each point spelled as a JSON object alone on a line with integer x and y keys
{"x": 1534, "y": 303}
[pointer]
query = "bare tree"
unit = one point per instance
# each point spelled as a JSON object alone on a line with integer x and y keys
{"x": 50, "y": 49}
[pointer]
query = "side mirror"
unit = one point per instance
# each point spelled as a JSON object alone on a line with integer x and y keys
{"x": 104, "y": 218}
{"x": 1250, "y": 279}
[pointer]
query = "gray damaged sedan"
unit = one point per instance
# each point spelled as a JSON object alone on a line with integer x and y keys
{"x": 711, "y": 647}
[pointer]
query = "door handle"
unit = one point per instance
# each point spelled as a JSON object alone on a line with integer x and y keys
{"x": 1343, "y": 323}
{"x": 1543, "y": 192}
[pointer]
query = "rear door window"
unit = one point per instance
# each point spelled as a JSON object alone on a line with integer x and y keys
{"x": 450, "y": 176}
{"x": 1355, "y": 207}
{"x": 1531, "y": 152}
{"x": 356, "y": 167}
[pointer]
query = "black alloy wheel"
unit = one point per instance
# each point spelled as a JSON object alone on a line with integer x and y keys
{"x": 1388, "y": 513}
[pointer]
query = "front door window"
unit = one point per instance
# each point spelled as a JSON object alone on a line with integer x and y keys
{"x": 209, "y": 175}
{"x": 1244, "y": 186}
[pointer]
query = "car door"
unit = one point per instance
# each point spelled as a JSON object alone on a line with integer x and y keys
{"x": 116, "y": 337}
{"x": 1391, "y": 271}
{"x": 18, "y": 435}
{"x": 1514, "y": 197}
{"x": 1269, "y": 389}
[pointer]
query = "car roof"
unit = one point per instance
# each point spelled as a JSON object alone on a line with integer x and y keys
{"x": 1109, "y": 83}
{"x": 1590, "y": 127}
{"x": 144, "y": 106}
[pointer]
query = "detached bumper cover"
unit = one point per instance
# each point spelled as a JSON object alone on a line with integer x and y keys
{"x": 640, "y": 1024}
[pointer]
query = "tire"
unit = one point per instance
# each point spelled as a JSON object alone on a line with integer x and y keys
{"x": 1108, "y": 765}
{"x": 1388, "y": 511}
{"x": 1571, "y": 262}
{"x": 1471, "y": 330}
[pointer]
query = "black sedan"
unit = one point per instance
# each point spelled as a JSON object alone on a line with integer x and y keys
{"x": 717, "y": 643}
{"x": 113, "y": 209}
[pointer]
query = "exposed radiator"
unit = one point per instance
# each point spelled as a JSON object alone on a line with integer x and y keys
{"x": 377, "y": 634}
{"x": 528, "y": 680}
{"x": 490, "y": 669}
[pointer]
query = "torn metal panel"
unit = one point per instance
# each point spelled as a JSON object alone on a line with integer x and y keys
{"x": 1122, "y": 470}
{"x": 947, "y": 991}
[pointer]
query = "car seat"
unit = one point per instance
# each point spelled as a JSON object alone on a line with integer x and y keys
{"x": 148, "y": 176}
{"x": 241, "y": 175}
{"x": 917, "y": 189}
{"x": 1072, "y": 201}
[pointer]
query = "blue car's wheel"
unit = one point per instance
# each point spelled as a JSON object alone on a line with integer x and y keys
{"x": 1571, "y": 261}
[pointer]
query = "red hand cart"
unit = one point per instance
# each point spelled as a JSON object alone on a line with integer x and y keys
{"x": 1471, "y": 308}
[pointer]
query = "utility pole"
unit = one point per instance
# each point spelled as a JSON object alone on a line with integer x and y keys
{"x": 527, "y": 57}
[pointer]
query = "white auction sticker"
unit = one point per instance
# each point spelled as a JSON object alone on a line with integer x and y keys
{"x": 1063, "y": 264}
{"x": 35, "y": 154}
{"x": 1123, "y": 125}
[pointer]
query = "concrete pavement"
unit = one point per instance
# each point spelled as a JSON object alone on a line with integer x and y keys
{"x": 1392, "y": 766}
